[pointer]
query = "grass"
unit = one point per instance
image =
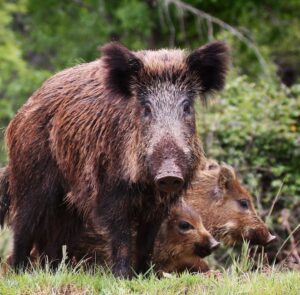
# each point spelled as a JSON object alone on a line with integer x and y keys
{"x": 66, "y": 281}
{"x": 236, "y": 279}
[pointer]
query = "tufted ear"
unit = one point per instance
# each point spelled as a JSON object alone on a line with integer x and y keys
{"x": 226, "y": 177}
{"x": 122, "y": 66}
{"x": 211, "y": 165}
{"x": 210, "y": 64}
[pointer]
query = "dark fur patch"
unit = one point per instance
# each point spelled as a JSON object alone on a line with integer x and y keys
{"x": 4, "y": 198}
{"x": 210, "y": 64}
{"x": 121, "y": 65}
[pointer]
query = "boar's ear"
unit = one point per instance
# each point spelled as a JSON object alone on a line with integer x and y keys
{"x": 122, "y": 66}
{"x": 226, "y": 176}
{"x": 209, "y": 64}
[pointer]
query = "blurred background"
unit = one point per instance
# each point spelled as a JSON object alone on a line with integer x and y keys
{"x": 254, "y": 125}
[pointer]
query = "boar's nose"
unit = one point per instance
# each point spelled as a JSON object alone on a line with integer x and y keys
{"x": 169, "y": 183}
{"x": 169, "y": 178}
{"x": 214, "y": 245}
{"x": 271, "y": 239}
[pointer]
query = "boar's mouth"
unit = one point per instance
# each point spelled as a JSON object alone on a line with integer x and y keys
{"x": 261, "y": 238}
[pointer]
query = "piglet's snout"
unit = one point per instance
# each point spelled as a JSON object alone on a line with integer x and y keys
{"x": 205, "y": 248}
{"x": 214, "y": 245}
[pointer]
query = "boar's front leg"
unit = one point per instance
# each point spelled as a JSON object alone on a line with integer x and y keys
{"x": 146, "y": 234}
{"x": 114, "y": 221}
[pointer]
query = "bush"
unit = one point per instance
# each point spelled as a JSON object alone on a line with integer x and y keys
{"x": 255, "y": 127}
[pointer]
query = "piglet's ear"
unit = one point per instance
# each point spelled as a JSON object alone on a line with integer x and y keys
{"x": 122, "y": 66}
{"x": 209, "y": 64}
{"x": 226, "y": 177}
{"x": 211, "y": 165}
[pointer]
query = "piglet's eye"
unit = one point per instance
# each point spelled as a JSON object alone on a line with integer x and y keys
{"x": 184, "y": 226}
{"x": 244, "y": 203}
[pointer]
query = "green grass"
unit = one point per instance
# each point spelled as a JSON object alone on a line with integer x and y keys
{"x": 236, "y": 279}
{"x": 66, "y": 281}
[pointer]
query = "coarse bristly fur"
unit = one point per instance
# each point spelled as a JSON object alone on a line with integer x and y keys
{"x": 106, "y": 131}
{"x": 226, "y": 206}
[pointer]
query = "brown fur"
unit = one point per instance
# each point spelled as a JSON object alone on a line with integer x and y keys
{"x": 176, "y": 249}
{"x": 216, "y": 194}
{"x": 82, "y": 132}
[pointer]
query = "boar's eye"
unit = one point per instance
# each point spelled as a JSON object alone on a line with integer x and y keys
{"x": 187, "y": 107}
{"x": 244, "y": 203}
{"x": 147, "y": 110}
{"x": 184, "y": 226}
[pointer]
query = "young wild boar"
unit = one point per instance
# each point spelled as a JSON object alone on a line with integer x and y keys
{"x": 181, "y": 241}
{"x": 226, "y": 207}
{"x": 119, "y": 134}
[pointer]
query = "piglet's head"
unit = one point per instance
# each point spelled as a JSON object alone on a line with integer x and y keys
{"x": 235, "y": 218}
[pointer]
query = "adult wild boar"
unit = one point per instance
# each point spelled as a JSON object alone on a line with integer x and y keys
{"x": 227, "y": 211}
{"x": 119, "y": 134}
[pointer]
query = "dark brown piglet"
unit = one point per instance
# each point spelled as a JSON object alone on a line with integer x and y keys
{"x": 181, "y": 242}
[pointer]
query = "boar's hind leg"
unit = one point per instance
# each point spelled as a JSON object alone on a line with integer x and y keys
{"x": 35, "y": 207}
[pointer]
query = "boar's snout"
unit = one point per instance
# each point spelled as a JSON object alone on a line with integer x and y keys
{"x": 169, "y": 183}
{"x": 271, "y": 239}
{"x": 214, "y": 245}
{"x": 261, "y": 236}
{"x": 169, "y": 178}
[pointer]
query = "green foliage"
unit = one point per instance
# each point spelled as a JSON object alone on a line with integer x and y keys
{"x": 255, "y": 127}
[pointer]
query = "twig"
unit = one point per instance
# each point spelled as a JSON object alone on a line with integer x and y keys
{"x": 275, "y": 200}
{"x": 171, "y": 26}
{"x": 285, "y": 216}
{"x": 286, "y": 240}
{"x": 211, "y": 19}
